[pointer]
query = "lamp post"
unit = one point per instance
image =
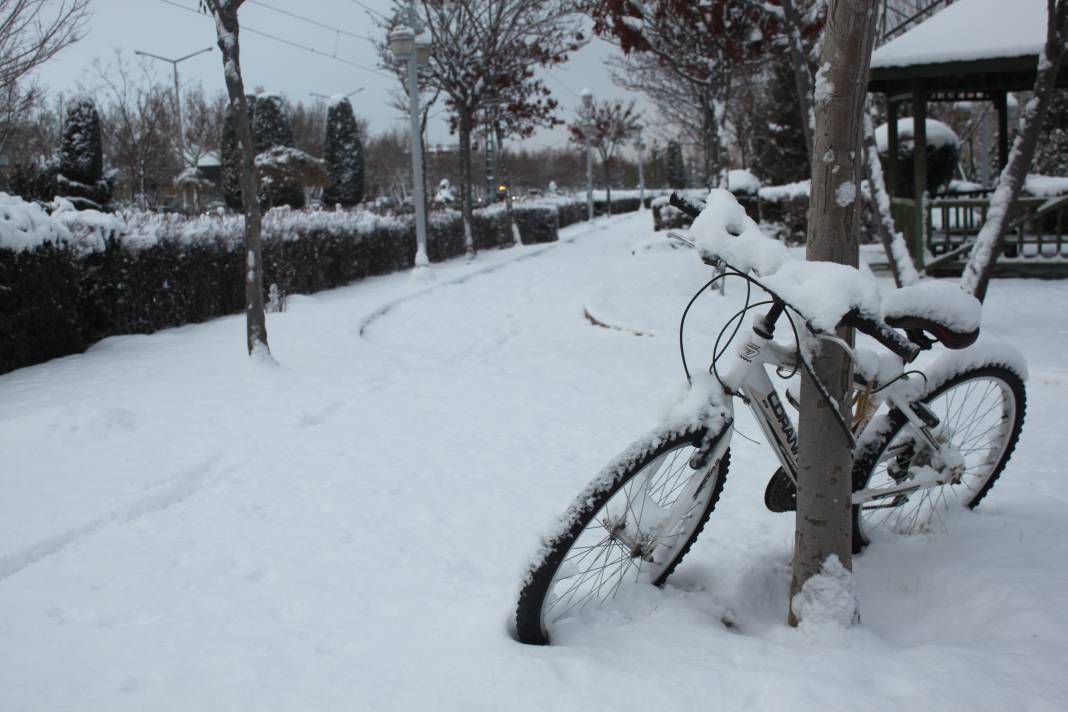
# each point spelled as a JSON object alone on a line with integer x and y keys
{"x": 177, "y": 92}
{"x": 324, "y": 96}
{"x": 415, "y": 50}
{"x": 587, "y": 130}
{"x": 639, "y": 143}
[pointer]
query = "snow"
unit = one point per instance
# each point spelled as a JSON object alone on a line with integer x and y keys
{"x": 845, "y": 194}
{"x": 185, "y": 528}
{"x": 776, "y": 193}
{"x": 724, "y": 231}
{"x": 827, "y": 601}
{"x": 1046, "y": 186}
{"x": 969, "y": 30}
{"x": 942, "y": 302}
{"x": 742, "y": 181}
{"x": 938, "y": 134}
{"x": 25, "y": 225}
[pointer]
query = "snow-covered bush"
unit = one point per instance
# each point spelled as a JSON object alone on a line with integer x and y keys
{"x": 943, "y": 151}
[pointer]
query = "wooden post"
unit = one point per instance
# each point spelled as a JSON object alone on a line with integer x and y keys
{"x": 892, "y": 147}
{"x": 1002, "y": 106}
{"x": 919, "y": 173}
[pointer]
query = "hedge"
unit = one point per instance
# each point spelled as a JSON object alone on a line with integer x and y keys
{"x": 144, "y": 272}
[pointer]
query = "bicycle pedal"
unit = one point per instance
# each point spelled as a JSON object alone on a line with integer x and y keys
{"x": 781, "y": 493}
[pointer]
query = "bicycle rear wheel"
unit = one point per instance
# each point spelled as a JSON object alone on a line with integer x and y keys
{"x": 980, "y": 413}
{"x": 635, "y": 522}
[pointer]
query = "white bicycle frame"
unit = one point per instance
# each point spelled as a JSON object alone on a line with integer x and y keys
{"x": 746, "y": 376}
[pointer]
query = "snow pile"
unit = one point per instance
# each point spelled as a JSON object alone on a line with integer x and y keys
{"x": 938, "y": 134}
{"x": 941, "y": 302}
{"x": 24, "y": 226}
{"x": 823, "y": 291}
{"x": 827, "y": 603}
{"x": 777, "y": 193}
{"x": 1046, "y": 186}
{"x": 742, "y": 181}
{"x": 723, "y": 230}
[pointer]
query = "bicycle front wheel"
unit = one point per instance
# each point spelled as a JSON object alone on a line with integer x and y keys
{"x": 632, "y": 524}
{"x": 980, "y": 413}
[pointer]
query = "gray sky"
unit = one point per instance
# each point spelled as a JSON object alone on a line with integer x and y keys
{"x": 160, "y": 27}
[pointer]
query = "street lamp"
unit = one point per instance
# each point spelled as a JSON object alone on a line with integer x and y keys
{"x": 177, "y": 93}
{"x": 639, "y": 143}
{"x": 587, "y": 131}
{"x": 414, "y": 49}
{"x": 324, "y": 96}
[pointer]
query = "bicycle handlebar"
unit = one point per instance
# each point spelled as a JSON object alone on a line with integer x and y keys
{"x": 684, "y": 204}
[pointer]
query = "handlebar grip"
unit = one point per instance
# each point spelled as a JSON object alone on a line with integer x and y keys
{"x": 685, "y": 204}
{"x": 884, "y": 334}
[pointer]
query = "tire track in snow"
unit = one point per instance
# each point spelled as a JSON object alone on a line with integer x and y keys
{"x": 532, "y": 252}
{"x": 163, "y": 495}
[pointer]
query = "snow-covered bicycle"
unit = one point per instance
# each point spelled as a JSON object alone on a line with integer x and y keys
{"x": 923, "y": 441}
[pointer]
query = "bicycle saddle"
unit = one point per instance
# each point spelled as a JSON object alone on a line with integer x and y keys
{"x": 946, "y": 312}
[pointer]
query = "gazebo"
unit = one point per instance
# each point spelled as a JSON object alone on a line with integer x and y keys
{"x": 975, "y": 51}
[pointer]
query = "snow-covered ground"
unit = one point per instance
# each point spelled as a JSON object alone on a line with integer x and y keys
{"x": 184, "y": 529}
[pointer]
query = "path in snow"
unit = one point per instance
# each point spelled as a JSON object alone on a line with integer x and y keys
{"x": 184, "y": 529}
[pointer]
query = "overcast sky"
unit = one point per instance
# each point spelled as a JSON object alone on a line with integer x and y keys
{"x": 163, "y": 27}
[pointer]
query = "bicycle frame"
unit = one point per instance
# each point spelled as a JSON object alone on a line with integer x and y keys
{"x": 746, "y": 376}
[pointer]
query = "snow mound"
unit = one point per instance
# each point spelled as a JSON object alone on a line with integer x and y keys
{"x": 823, "y": 291}
{"x": 742, "y": 181}
{"x": 1046, "y": 186}
{"x": 827, "y": 603}
{"x": 939, "y": 301}
{"x": 938, "y": 134}
{"x": 24, "y": 226}
{"x": 724, "y": 230}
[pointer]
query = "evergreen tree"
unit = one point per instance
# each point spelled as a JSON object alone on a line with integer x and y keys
{"x": 676, "y": 168}
{"x": 81, "y": 158}
{"x": 344, "y": 156}
{"x": 1051, "y": 156}
{"x": 779, "y": 141}
{"x": 270, "y": 128}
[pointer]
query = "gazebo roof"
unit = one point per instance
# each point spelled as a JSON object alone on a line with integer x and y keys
{"x": 970, "y": 46}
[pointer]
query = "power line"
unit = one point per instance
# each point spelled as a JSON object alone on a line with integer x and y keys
{"x": 310, "y": 21}
{"x": 561, "y": 83}
{"x": 370, "y": 9}
{"x": 246, "y": 28}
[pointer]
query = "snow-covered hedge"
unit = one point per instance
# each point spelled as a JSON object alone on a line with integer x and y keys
{"x": 70, "y": 278}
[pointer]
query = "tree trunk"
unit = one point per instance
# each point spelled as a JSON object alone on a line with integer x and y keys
{"x": 897, "y": 252}
{"x": 824, "y": 521}
{"x": 255, "y": 318}
{"x": 991, "y": 239}
{"x": 466, "y": 210}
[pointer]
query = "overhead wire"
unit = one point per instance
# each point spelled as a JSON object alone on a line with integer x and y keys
{"x": 282, "y": 40}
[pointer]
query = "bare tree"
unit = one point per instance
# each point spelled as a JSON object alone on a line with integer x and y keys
{"x": 610, "y": 125}
{"x": 138, "y": 127}
{"x": 34, "y": 31}
{"x": 692, "y": 47}
{"x": 824, "y": 460}
{"x": 227, "y": 28}
{"x": 481, "y": 46}
{"x": 991, "y": 239}
{"x": 203, "y": 122}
